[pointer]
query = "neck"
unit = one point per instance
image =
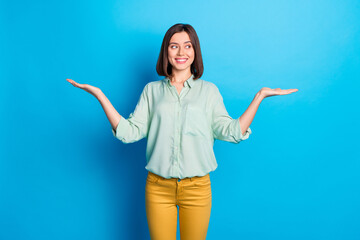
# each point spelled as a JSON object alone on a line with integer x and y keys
{"x": 179, "y": 77}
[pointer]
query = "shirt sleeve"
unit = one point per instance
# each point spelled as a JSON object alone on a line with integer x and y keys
{"x": 224, "y": 127}
{"x": 136, "y": 126}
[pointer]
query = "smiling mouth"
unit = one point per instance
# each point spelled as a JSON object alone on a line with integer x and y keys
{"x": 180, "y": 60}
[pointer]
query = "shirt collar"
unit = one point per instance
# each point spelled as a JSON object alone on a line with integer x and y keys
{"x": 190, "y": 81}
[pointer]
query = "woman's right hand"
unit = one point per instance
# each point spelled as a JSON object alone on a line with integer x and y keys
{"x": 90, "y": 89}
{"x": 111, "y": 113}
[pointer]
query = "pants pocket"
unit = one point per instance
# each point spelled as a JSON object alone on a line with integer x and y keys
{"x": 151, "y": 178}
{"x": 203, "y": 182}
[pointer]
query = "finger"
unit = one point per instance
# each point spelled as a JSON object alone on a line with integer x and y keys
{"x": 280, "y": 92}
{"x": 288, "y": 91}
{"x": 72, "y": 82}
{"x": 292, "y": 90}
{"x": 75, "y": 84}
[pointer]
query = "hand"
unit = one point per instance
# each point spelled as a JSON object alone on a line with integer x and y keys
{"x": 268, "y": 92}
{"x": 90, "y": 89}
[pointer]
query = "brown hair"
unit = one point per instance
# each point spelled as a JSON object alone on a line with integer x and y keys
{"x": 163, "y": 68}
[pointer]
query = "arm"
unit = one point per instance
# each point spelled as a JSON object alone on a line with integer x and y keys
{"x": 110, "y": 111}
{"x": 127, "y": 130}
{"x": 224, "y": 127}
{"x": 248, "y": 116}
{"x": 136, "y": 126}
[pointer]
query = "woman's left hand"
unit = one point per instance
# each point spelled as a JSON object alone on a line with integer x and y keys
{"x": 268, "y": 92}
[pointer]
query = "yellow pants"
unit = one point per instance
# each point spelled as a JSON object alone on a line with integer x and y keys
{"x": 192, "y": 195}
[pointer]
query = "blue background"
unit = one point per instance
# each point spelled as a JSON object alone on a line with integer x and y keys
{"x": 64, "y": 176}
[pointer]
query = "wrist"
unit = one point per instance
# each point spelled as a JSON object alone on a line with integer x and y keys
{"x": 260, "y": 95}
{"x": 97, "y": 92}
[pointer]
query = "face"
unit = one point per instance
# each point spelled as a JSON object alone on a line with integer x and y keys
{"x": 181, "y": 53}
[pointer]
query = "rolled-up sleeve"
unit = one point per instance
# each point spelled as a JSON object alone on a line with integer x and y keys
{"x": 223, "y": 126}
{"x": 136, "y": 126}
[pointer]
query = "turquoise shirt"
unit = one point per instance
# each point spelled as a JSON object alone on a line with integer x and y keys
{"x": 180, "y": 128}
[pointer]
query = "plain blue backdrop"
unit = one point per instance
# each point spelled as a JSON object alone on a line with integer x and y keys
{"x": 64, "y": 176}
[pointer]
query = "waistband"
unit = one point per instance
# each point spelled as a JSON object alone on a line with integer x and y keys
{"x": 191, "y": 179}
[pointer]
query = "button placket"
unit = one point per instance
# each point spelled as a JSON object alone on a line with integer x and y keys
{"x": 177, "y": 135}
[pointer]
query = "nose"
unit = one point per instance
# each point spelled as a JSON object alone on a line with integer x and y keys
{"x": 180, "y": 52}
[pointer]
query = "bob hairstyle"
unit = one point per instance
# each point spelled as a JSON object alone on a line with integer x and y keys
{"x": 163, "y": 68}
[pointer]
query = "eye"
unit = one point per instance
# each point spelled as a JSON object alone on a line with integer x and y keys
{"x": 188, "y": 46}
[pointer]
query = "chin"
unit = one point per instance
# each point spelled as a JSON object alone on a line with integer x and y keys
{"x": 181, "y": 67}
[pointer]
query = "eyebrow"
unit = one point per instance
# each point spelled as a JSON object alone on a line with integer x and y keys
{"x": 177, "y": 43}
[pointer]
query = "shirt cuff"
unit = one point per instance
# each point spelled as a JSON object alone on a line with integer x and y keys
{"x": 121, "y": 129}
{"x": 238, "y": 133}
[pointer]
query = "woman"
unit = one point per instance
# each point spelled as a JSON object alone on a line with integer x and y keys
{"x": 181, "y": 116}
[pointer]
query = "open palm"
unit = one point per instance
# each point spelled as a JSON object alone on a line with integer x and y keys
{"x": 268, "y": 92}
{"x": 90, "y": 89}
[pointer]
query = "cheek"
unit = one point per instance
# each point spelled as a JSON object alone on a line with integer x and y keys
{"x": 170, "y": 56}
{"x": 170, "y": 53}
{"x": 192, "y": 54}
